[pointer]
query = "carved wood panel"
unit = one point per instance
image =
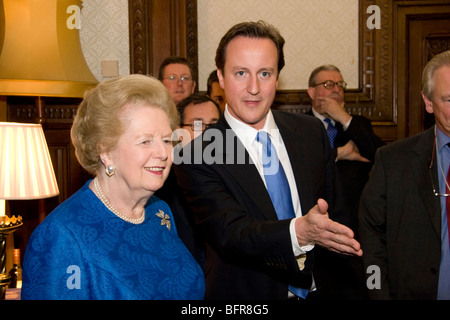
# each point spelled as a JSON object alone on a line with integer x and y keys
{"x": 162, "y": 28}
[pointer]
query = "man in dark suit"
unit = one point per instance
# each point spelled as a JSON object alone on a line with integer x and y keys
{"x": 354, "y": 144}
{"x": 251, "y": 253}
{"x": 403, "y": 211}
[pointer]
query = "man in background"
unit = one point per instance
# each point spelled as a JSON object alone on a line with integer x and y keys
{"x": 353, "y": 144}
{"x": 176, "y": 75}
{"x": 197, "y": 113}
{"x": 353, "y": 141}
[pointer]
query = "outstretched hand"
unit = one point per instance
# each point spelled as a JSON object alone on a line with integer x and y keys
{"x": 318, "y": 229}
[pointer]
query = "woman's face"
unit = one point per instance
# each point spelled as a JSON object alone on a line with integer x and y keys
{"x": 143, "y": 155}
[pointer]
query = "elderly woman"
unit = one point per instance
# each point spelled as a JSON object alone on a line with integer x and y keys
{"x": 113, "y": 239}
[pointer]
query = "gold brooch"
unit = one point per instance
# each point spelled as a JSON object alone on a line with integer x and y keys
{"x": 164, "y": 218}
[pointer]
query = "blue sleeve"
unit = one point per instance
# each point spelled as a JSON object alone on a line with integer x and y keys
{"x": 53, "y": 265}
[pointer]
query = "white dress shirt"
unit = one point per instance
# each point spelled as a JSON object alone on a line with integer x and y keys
{"x": 322, "y": 118}
{"x": 247, "y": 135}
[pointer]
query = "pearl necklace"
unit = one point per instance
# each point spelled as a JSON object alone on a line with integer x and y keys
{"x": 114, "y": 210}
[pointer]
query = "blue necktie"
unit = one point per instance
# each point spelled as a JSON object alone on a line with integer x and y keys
{"x": 331, "y": 132}
{"x": 278, "y": 188}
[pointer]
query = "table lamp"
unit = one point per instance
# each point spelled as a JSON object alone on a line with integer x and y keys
{"x": 26, "y": 172}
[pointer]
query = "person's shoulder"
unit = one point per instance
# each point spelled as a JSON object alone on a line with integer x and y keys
{"x": 408, "y": 142}
{"x": 403, "y": 150}
{"x": 295, "y": 118}
{"x": 155, "y": 203}
{"x": 70, "y": 208}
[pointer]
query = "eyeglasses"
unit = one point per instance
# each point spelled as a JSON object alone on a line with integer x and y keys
{"x": 197, "y": 125}
{"x": 329, "y": 84}
{"x": 436, "y": 193}
{"x": 175, "y": 78}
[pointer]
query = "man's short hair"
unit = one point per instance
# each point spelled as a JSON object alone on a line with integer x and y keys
{"x": 194, "y": 99}
{"x": 174, "y": 60}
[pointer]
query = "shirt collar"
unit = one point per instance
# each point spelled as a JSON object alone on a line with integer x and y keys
{"x": 441, "y": 139}
{"x": 321, "y": 117}
{"x": 246, "y": 133}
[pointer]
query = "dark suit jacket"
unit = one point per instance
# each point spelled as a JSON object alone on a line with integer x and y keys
{"x": 400, "y": 220}
{"x": 346, "y": 275}
{"x": 249, "y": 251}
{"x": 355, "y": 174}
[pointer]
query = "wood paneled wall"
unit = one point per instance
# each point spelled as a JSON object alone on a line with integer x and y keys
{"x": 159, "y": 29}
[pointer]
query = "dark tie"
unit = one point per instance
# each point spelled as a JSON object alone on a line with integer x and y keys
{"x": 331, "y": 132}
{"x": 278, "y": 188}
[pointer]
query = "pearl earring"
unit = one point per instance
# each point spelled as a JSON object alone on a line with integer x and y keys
{"x": 110, "y": 170}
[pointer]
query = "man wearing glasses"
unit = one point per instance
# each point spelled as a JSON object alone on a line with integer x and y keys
{"x": 175, "y": 73}
{"x": 403, "y": 212}
{"x": 197, "y": 113}
{"x": 354, "y": 145}
{"x": 353, "y": 141}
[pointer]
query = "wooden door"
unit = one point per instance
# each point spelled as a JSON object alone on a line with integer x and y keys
{"x": 421, "y": 30}
{"x": 427, "y": 37}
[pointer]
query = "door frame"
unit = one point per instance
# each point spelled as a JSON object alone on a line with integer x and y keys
{"x": 408, "y": 105}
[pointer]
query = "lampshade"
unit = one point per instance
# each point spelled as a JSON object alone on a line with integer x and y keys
{"x": 39, "y": 54}
{"x": 26, "y": 170}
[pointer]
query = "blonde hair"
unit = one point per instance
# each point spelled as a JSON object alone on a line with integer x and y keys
{"x": 438, "y": 61}
{"x": 97, "y": 126}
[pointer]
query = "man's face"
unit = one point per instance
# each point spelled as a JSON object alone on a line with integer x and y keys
{"x": 319, "y": 91}
{"x": 250, "y": 78}
{"x": 440, "y": 102}
{"x": 198, "y": 116}
{"x": 177, "y": 79}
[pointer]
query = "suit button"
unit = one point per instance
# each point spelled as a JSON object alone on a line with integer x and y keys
{"x": 433, "y": 270}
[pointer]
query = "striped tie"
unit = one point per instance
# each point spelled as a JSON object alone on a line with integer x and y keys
{"x": 331, "y": 132}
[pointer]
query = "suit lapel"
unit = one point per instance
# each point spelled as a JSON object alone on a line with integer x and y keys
{"x": 420, "y": 165}
{"x": 246, "y": 174}
{"x": 294, "y": 139}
